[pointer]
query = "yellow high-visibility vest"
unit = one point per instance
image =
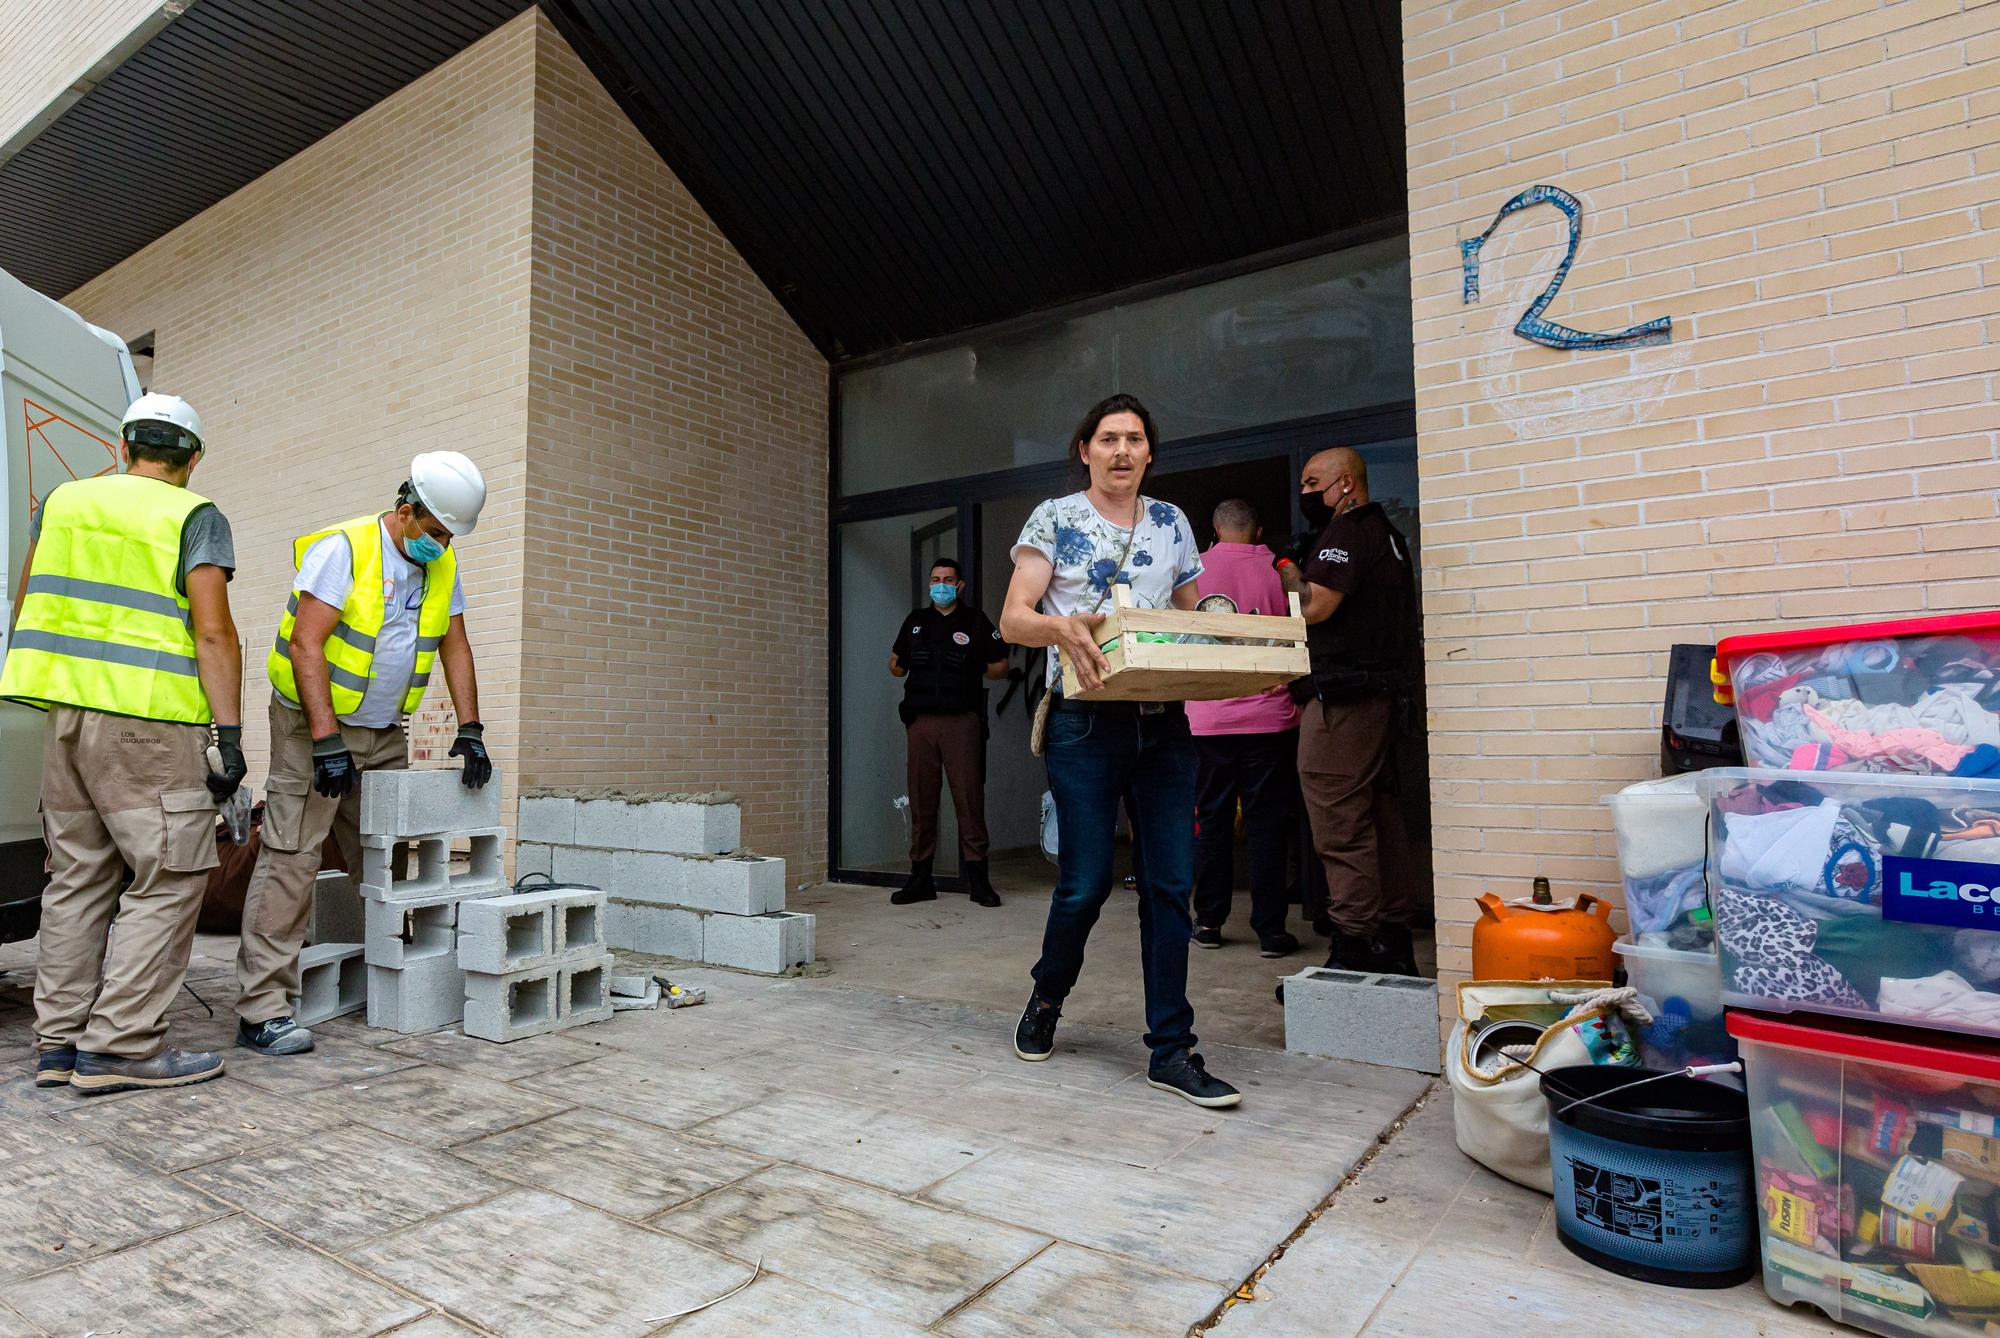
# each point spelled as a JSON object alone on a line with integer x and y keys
{"x": 350, "y": 648}
{"x": 105, "y": 625}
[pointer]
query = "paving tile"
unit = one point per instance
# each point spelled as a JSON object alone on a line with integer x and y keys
{"x": 354, "y": 1028}
{"x": 1299, "y": 1169}
{"x": 434, "y": 1107}
{"x": 533, "y": 1263}
{"x": 1209, "y": 1231}
{"x": 868, "y": 1246}
{"x": 1065, "y": 1291}
{"x": 330, "y": 1063}
{"x": 1088, "y": 1065}
{"x": 452, "y": 1048}
{"x": 607, "y": 1161}
{"x": 651, "y": 1090}
{"x": 777, "y": 1305}
{"x": 434, "y": 1326}
{"x": 876, "y": 1077}
{"x": 29, "y": 1133}
{"x": 1288, "y": 1104}
{"x": 341, "y": 1188}
{"x": 178, "y": 1127}
{"x": 12, "y": 1325}
{"x": 229, "y": 1277}
{"x": 1135, "y": 1133}
{"x": 86, "y": 1201}
{"x": 865, "y": 1143}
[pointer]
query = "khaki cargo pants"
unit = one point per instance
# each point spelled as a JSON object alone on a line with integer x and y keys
{"x": 297, "y": 818}
{"x": 117, "y": 793}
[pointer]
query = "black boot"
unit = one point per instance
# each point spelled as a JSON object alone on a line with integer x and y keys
{"x": 1395, "y": 951}
{"x": 973, "y": 872}
{"x": 917, "y": 887}
{"x": 1348, "y": 952}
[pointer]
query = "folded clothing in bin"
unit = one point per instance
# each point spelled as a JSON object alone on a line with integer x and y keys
{"x": 1878, "y": 1173}
{"x": 1854, "y": 894}
{"x": 1662, "y": 848}
{"x": 1919, "y": 696}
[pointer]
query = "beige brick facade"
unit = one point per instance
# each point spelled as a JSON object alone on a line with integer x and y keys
{"x": 1811, "y": 191}
{"x": 47, "y": 45}
{"x": 493, "y": 260}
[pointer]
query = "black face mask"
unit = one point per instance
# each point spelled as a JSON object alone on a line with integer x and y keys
{"x": 1315, "y": 508}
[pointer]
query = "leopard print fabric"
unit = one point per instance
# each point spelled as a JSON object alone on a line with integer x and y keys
{"x": 1767, "y": 949}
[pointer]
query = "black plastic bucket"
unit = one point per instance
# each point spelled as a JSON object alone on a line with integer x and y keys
{"x": 1653, "y": 1181}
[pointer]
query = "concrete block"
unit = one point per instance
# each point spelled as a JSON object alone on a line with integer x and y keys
{"x": 731, "y": 884}
{"x": 547, "y": 818}
{"x": 1377, "y": 1019}
{"x": 502, "y": 934}
{"x": 333, "y": 981}
{"x": 422, "y": 996}
{"x": 684, "y": 824}
{"x": 434, "y": 878}
{"x": 336, "y": 910}
{"x": 533, "y": 857}
{"x": 641, "y": 875}
{"x": 579, "y": 925}
{"x": 583, "y": 868}
{"x": 584, "y": 990}
{"x": 662, "y": 931}
{"x": 425, "y": 803}
{"x": 400, "y": 935}
{"x": 763, "y": 943}
{"x": 514, "y": 1005}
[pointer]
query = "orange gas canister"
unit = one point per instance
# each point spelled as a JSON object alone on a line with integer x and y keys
{"x": 1543, "y": 939}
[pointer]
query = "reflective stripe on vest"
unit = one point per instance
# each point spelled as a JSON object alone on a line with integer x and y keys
{"x": 350, "y": 647}
{"x": 103, "y": 624}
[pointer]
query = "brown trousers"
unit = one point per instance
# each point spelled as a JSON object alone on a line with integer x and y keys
{"x": 117, "y": 793}
{"x": 954, "y": 747}
{"x": 278, "y": 903}
{"x": 1344, "y": 774}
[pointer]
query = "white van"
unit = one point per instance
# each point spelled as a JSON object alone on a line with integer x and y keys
{"x": 64, "y": 386}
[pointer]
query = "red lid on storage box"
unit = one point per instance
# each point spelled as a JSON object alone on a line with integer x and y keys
{"x": 1964, "y": 1057}
{"x": 1804, "y": 638}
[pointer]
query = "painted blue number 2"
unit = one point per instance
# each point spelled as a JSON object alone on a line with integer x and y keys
{"x": 1531, "y": 326}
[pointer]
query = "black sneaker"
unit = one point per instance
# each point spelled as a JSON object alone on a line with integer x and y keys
{"x": 1204, "y": 937}
{"x": 917, "y": 887}
{"x": 1184, "y": 1075}
{"x": 53, "y": 1067}
{"x": 277, "y": 1036}
{"x": 1035, "y": 1037}
{"x": 1282, "y": 945}
{"x": 98, "y": 1074}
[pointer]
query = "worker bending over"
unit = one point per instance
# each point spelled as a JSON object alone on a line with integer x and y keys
{"x": 375, "y": 602}
{"x": 122, "y": 633}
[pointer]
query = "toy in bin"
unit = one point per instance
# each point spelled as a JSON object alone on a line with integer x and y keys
{"x": 1877, "y": 1172}
{"x": 1919, "y": 696}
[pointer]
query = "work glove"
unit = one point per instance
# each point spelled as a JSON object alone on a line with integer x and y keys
{"x": 471, "y": 745}
{"x": 229, "y": 745}
{"x": 334, "y": 773}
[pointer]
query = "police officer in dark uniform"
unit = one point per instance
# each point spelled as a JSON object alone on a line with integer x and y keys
{"x": 1357, "y": 590}
{"x": 946, "y": 651}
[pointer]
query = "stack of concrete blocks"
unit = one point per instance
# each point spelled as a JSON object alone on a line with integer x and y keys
{"x": 410, "y": 921}
{"x": 678, "y": 884}
{"x": 534, "y": 962}
{"x": 333, "y": 978}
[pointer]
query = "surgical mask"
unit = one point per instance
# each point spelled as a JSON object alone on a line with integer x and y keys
{"x": 423, "y": 549}
{"x": 1315, "y": 509}
{"x": 943, "y": 593}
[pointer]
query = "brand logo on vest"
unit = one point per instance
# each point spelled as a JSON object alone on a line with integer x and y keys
{"x": 1333, "y": 555}
{"x": 961, "y": 638}
{"x": 1941, "y": 892}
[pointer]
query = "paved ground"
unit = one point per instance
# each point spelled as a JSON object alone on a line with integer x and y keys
{"x": 887, "y": 1161}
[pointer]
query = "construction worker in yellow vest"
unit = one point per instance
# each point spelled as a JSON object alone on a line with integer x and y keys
{"x": 375, "y": 603}
{"x": 122, "y": 634}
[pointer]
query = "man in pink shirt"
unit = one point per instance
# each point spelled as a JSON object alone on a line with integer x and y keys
{"x": 1247, "y": 747}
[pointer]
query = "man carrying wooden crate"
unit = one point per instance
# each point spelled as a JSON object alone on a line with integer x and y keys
{"x": 1358, "y": 593}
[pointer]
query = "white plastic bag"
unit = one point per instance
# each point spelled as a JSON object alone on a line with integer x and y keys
{"x": 1050, "y": 843}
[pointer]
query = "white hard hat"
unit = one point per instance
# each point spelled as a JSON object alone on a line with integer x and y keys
{"x": 169, "y": 412}
{"x": 450, "y": 488}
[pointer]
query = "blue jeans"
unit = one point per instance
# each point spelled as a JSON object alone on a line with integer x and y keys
{"x": 1148, "y": 762}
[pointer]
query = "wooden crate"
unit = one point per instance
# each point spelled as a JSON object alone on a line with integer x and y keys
{"x": 1172, "y": 671}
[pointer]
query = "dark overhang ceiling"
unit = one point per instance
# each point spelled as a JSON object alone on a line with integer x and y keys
{"x": 895, "y": 170}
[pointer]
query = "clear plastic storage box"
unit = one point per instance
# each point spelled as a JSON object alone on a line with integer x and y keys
{"x": 1662, "y": 830}
{"x": 1877, "y": 1173}
{"x": 1683, "y": 992}
{"x": 1916, "y": 697}
{"x": 1857, "y": 895}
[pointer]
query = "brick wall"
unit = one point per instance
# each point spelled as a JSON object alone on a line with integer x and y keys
{"x": 364, "y": 301}
{"x": 1811, "y": 191}
{"x": 46, "y": 45}
{"x": 677, "y": 473}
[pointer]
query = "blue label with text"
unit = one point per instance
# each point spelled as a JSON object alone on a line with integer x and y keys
{"x": 1941, "y": 892}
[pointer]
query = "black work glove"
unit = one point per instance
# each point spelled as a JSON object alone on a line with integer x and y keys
{"x": 471, "y": 745}
{"x": 228, "y": 742}
{"x": 334, "y": 772}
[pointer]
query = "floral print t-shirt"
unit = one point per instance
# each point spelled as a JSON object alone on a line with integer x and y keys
{"x": 1083, "y": 547}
